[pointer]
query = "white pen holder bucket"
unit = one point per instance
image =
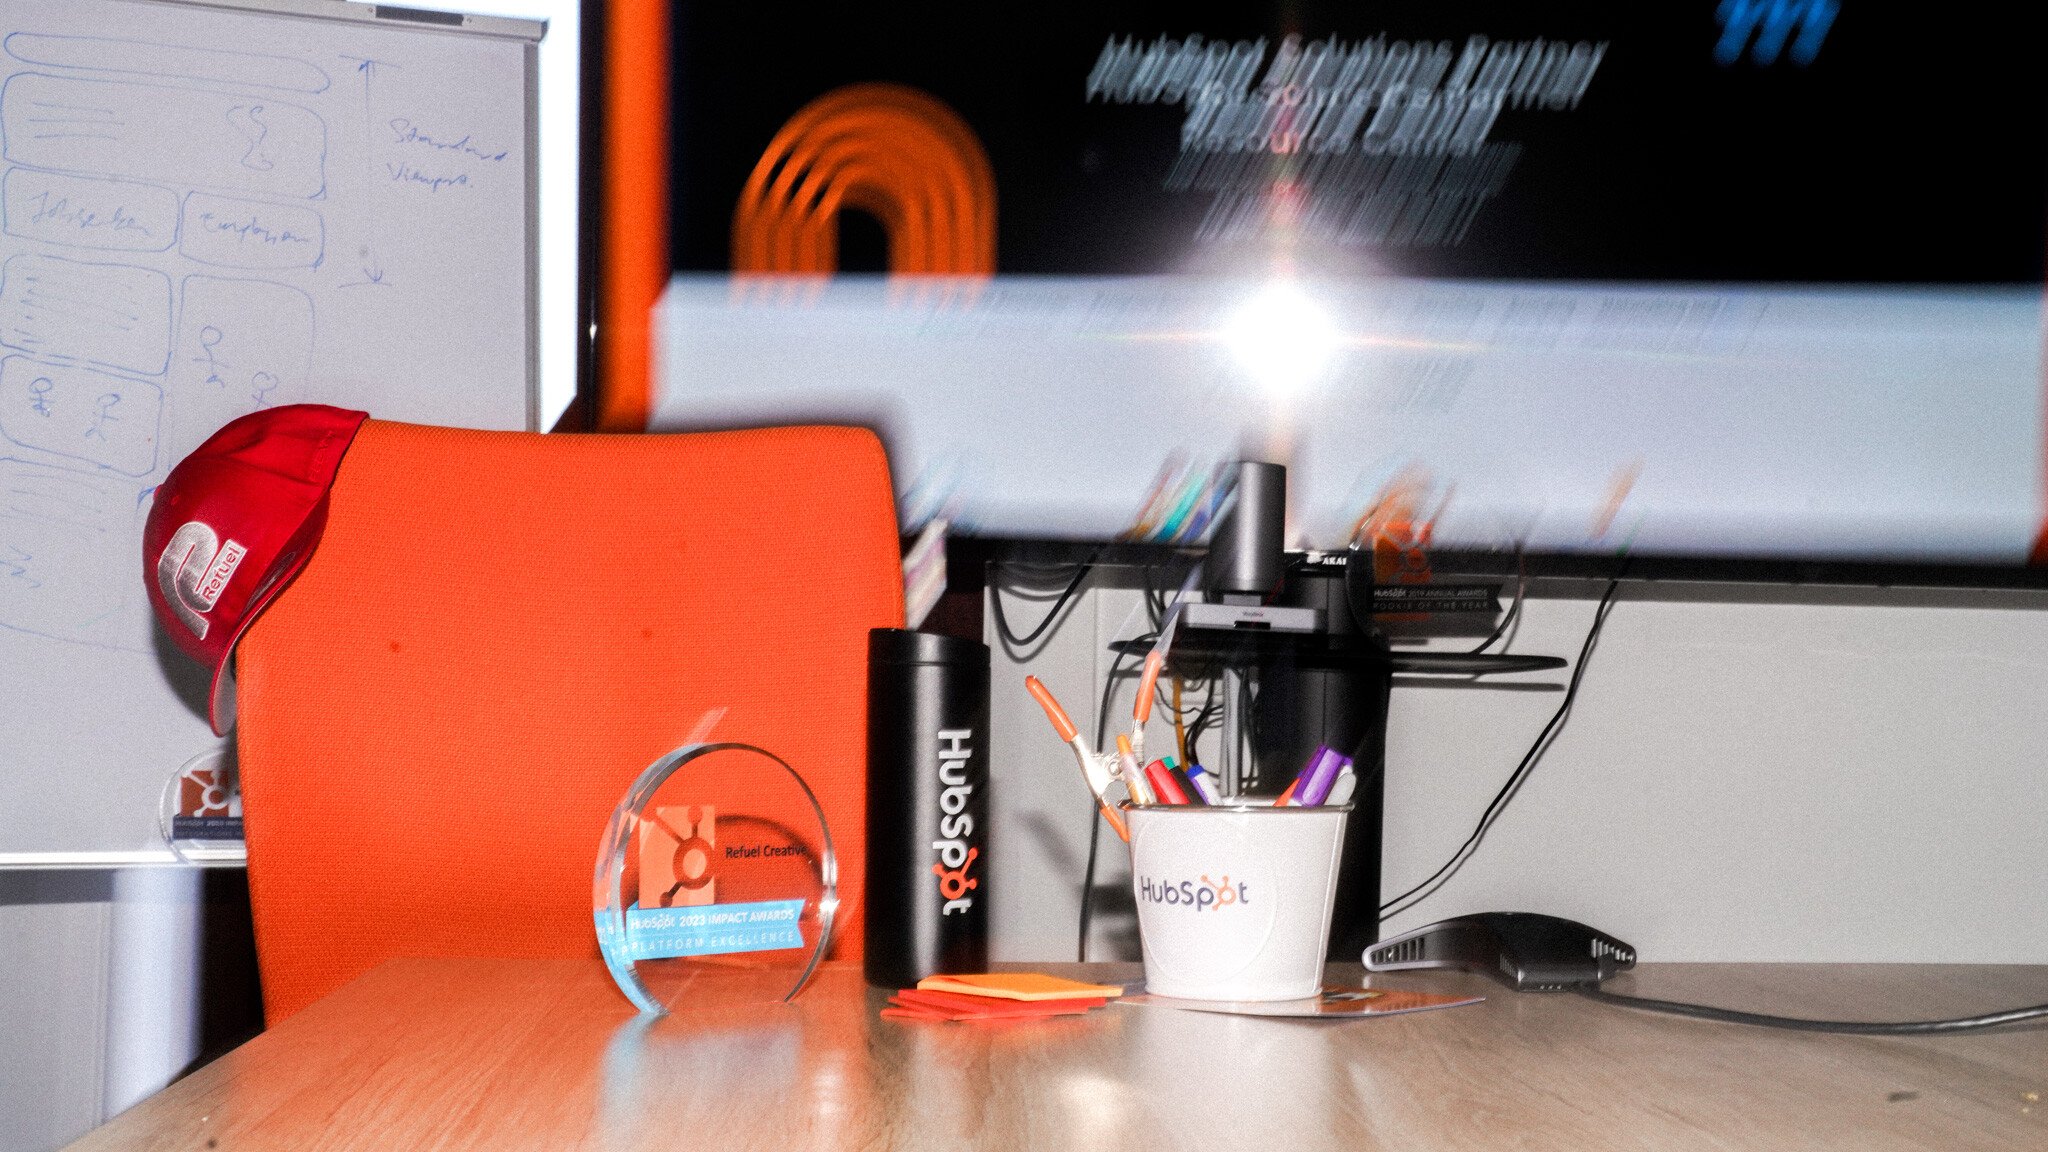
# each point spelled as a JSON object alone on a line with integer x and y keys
{"x": 1234, "y": 901}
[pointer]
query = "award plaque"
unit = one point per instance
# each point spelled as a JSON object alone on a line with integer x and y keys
{"x": 716, "y": 879}
{"x": 200, "y": 811}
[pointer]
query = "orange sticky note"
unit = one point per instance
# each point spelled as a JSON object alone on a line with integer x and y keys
{"x": 898, "y": 1012}
{"x": 989, "y": 1006}
{"x": 1018, "y": 986}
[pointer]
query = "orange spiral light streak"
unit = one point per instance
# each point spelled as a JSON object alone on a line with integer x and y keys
{"x": 893, "y": 152}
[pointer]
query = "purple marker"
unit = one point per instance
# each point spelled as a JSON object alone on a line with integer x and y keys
{"x": 1322, "y": 778}
{"x": 1297, "y": 792}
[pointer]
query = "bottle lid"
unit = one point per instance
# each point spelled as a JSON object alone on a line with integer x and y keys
{"x": 903, "y": 646}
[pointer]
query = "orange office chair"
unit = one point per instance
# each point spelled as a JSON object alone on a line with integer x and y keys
{"x": 498, "y": 631}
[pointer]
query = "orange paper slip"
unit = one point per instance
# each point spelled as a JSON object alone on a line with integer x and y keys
{"x": 1018, "y": 986}
{"x": 990, "y": 1005}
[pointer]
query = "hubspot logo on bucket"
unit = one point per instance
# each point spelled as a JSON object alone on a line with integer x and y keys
{"x": 1205, "y": 895}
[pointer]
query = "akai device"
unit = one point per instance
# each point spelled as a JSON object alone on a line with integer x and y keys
{"x": 1526, "y": 951}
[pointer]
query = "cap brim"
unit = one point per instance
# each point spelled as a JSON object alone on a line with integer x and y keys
{"x": 220, "y": 711}
{"x": 221, "y": 707}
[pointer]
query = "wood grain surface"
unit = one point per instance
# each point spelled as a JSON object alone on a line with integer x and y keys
{"x": 544, "y": 1054}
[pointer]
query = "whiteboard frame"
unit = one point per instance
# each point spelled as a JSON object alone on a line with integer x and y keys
{"x": 353, "y": 11}
{"x": 350, "y": 11}
{"x": 68, "y": 861}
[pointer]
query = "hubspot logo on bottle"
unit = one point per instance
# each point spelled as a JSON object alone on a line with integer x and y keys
{"x": 956, "y": 824}
{"x": 1204, "y": 895}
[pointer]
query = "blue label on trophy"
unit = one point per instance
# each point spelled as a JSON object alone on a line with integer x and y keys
{"x": 712, "y": 929}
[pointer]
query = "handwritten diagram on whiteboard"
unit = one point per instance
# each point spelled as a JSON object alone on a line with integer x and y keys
{"x": 204, "y": 213}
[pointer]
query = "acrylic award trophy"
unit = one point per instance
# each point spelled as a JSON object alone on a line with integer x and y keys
{"x": 716, "y": 880}
{"x": 200, "y": 811}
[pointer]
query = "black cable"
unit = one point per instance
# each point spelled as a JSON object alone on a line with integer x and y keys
{"x": 1246, "y": 751}
{"x": 1109, "y": 689}
{"x": 1155, "y": 605}
{"x": 1798, "y": 1024}
{"x": 1087, "y": 887}
{"x": 1166, "y": 707}
{"x": 1200, "y": 725}
{"x": 995, "y": 599}
{"x": 1095, "y": 820}
{"x": 1514, "y": 610}
{"x": 1521, "y": 773}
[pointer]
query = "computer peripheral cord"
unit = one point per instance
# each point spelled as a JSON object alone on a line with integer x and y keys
{"x": 995, "y": 600}
{"x": 1798, "y": 1024}
{"x": 1437, "y": 879}
{"x": 1116, "y": 668}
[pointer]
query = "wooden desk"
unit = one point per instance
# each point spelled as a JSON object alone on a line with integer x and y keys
{"x": 458, "y": 1054}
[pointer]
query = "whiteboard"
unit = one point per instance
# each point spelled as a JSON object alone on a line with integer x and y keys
{"x": 208, "y": 208}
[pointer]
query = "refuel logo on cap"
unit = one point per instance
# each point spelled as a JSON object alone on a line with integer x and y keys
{"x": 233, "y": 523}
{"x": 193, "y": 569}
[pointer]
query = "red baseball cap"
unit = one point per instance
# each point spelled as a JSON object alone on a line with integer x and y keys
{"x": 233, "y": 523}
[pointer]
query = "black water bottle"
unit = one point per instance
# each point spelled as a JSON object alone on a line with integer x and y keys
{"x": 927, "y": 859}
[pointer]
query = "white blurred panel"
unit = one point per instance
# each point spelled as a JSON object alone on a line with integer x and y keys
{"x": 1896, "y": 422}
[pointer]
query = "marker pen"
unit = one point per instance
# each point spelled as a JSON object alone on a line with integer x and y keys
{"x": 1322, "y": 779}
{"x": 1186, "y": 782}
{"x": 1133, "y": 776}
{"x": 1307, "y": 773}
{"x": 1163, "y": 784}
{"x": 1199, "y": 778}
{"x": 1342, "y": 790}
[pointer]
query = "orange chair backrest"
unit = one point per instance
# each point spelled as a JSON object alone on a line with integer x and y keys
{"x": 499, "y": 631}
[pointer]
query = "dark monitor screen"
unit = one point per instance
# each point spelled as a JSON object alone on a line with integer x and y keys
{"x": 1736, "y": 278}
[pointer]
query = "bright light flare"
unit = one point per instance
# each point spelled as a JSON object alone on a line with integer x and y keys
{"x": 1282, "y": 336}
